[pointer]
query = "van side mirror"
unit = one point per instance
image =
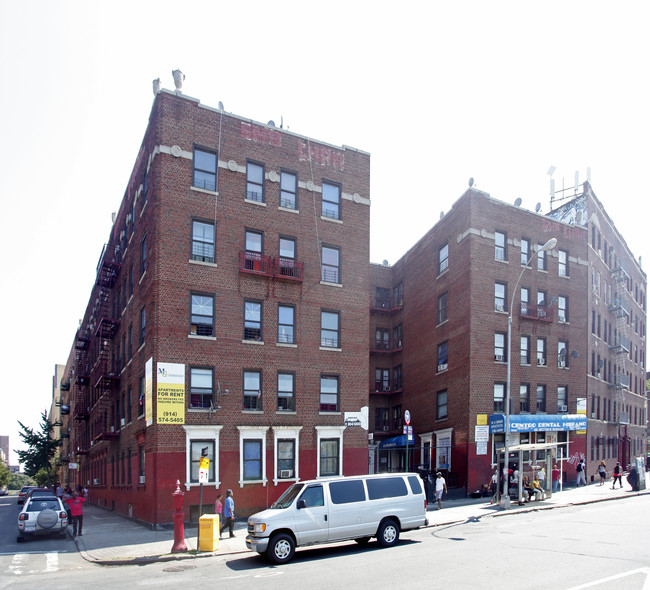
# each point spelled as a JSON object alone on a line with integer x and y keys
{"x": 302, "y": 504}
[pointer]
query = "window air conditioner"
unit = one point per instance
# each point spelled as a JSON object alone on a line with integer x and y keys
{"x": 561, "y": 364}
{"x": 498, "y": 357}
{"x": 96, "y": 481}
{"x": 561, "y": 408}
{"x": 386, "y": 428}
{"x": 112, "y": 428}
{"x": 499, "y": 307}
{"x": 122, "y": 234}
{"x": 386, "y": 388}
{"x": 442, "y": 367}
{"x": 141, "y": 479}
{"x": 541, "y": 361}
{"x": 593, "y": 414}
{"x": 121, "y": 421}
{"x": 284, "y": 473}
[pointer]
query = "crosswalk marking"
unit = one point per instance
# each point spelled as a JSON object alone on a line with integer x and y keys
{"x": 20, "y": 563}
{"x": 17, "y": 564}
{"x": 52, "y": 562}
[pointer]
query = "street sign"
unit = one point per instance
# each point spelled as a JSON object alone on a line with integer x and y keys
{"x": 407, "y": 417}
{"x": 204, "y": 470}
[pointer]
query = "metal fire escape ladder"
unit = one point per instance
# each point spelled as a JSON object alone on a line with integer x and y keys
{"x": 620, "y": 308}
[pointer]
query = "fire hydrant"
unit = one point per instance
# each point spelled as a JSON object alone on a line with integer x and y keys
{"x": 179, "y": 528}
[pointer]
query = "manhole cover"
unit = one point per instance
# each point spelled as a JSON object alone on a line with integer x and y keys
{"x": 179, "y": 568}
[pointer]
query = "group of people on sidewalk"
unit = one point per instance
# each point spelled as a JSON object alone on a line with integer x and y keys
{"x": 581, "y": 474}
{"x": 73, "y": 500}
{"x": 226, "y": 512}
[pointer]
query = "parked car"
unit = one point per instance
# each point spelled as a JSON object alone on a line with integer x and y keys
{"x": 23, "y": 493}
{"x": 42, "y": 515}
{"x": 4, "y": 492}
{"x": 338, "y": 509}
{"x": 38, "y": 492}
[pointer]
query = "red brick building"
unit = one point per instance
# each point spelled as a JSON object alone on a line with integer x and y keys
{"x": 438, "y": 339}
{"x": 229, "y": 316}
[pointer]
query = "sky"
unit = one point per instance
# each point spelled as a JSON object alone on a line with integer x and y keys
{"x": 437, "y": 92}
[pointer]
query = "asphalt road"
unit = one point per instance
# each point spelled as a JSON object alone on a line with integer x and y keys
{"x": 598, "y": 546}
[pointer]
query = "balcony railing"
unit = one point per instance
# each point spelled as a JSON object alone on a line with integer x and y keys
{"x": 385, "y": 304}
{"x": 387, "y": 346}
{"x": 288, "y": 269}
{"x": 255, "y": 263}
{"x": 534, "y": 311}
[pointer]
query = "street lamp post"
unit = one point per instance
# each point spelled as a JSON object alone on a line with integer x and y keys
{"x": 506, "y": 498}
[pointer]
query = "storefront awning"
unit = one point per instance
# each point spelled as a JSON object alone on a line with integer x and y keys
{"x": 538, "y": 422}
{"x": 397, "y": 442}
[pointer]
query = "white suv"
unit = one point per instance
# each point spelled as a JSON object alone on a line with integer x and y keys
{"x": 42, "y": 515}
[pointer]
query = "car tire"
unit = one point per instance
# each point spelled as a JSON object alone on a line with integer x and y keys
{"x": 388, "y": 533}
{"x": 281, "y": 548}
{"x": 362, "y": 540}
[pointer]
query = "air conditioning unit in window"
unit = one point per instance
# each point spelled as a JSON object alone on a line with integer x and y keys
{"x": 386, "y": 428}
{"x": 112, "y": 428}
{"x": 593, "y": 415}
{"x": 498, "y": 357}
{"x": 122, "y": 235}
{"x": 499, "y": 308}
{"x": 96, "y": 481}
{"x": 141, "y": 479}
{"x": 284, "y": 473}
{"x": 386, "y": 388}
{"x": 561, "y": 408}
{"x": 541, "y": 361}
{"x": 442, "y": 367}
{"x": 561, "y": 364}
{"x": 122, "y": 422}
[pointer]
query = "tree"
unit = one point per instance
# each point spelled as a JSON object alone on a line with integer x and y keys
{"x": 41, "y": 446}
{"x": 19, "y": 480}
{"x": 5, "y": 475}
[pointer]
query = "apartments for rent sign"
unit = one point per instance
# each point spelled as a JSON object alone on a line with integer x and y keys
{"x": 170, "y": 393}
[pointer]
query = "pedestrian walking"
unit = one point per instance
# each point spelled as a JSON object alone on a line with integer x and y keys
{"x": 218, "y": 509}
{"x": 441, "y": 486}
{"x": 602, "y": 472}
{"x": 76, "y": 513}
{"x": 494, "y": 489}
{"x": 229, "y": 514}
{"x": 580, "y": 471}
{"x": 618, "y": 472}
{"x": 59, "y": 491}
{"x": 555, "y": 477}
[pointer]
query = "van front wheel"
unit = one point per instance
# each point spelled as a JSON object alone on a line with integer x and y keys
{"x": 388, "y": 533}
{"x": 281, "y": 549}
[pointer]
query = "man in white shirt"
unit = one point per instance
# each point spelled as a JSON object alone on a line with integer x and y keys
{"x": 441, "y": 486}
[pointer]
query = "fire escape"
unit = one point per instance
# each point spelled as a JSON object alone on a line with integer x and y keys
{"x": 81, "y": 443}
{"x": 105, "y": 375}
{"x": 620, "y": 308}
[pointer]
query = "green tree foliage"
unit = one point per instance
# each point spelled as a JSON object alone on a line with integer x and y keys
{"x": 19, "y": 480}
{"x": 41, "y": 446}
{"x": 5, "y": 475}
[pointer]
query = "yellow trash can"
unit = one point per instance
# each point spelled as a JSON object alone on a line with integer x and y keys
{"x": 209, "y": 532}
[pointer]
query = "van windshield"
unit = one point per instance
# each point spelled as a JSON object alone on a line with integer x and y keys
{"x": 286, "y": 499}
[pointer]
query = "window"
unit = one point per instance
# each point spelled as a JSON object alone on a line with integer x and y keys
{"x": 499, "y": 297}
{"x": 499, "y": 397}
{"x": 382, "y": 298}
{"x": 443, "y": 358}
{"x": 382, "y": 379}
{"x": 398, "y": 295}
{"x": 562, "y": 354}
{"x": 329, "y": 329}
{"x": 382, "y": 339}
{"x": 525, "y": 249}
{"x": 254, "y": 182}
{"x": 500, "y": 347}
{"x": 563, "y": 263}
{"x": 286, "y": 324}
{"x": 524, "y": 397}
{"x": 197, "y": 447}
{"x": 253, "y": 241}
{"x": 141, "y": 388}
{"x": 252, "y": 390}
{"x": 286, "y": 392}
{"x": 143, "y": 256}
{"x": 500, "y": 244}
{"x": 562, "y": 399}
{"x": 393, "y": 487}
{"x": 288, "y": 190}
{"x": 130, "y": 340}
{"x": 202, "y": 316}
{"x": 441, "y": 405}
{"x": 286, "y": 458}
{"x": 143, "y": 324}
{"x": 202, "y": 241}
{"x": 525, "y": 350}
{"x": 541, "y": 398}
{"x": 252, "y": 460}
{"x": 329, "y": 393}
{"x": 131, "y": 281}
{"x": 330, "y": 264}
{"x": 129, "y": 404}
{"x": 397, "y": 337}
{"x": 145, "y": 189}
{"x": 397, "y": 378}
{"x": 442, "y": 308}
{"x": 287, "y": 248}
{"x": 331, "y": 206}
{"x": 563, "y": 308}
{"x": 252, "y": 320}
{"x": 347, "y": 492}
{"x": 329, "y": 456}
{"x": 541, "y": 258}
{"x": 541, "y": 352}
{"x": 443, "y": 258}
{"x": 201, "y": 387}
{"x": 382, "y": 422}
{"x": 525, "y": 299}
{"x": 205, "y": 170}
{"x": 141, "y": 470}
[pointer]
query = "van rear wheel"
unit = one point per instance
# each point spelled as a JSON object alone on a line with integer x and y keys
{"x": 281, "y": 548}
{"x": 388, "y": 533}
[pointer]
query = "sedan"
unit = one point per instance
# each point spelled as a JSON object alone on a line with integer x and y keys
{"x": 23, "y": 492}
{"x": 42, "y": 515}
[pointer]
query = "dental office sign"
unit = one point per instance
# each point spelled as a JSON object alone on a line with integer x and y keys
{"x": 541, "y": 423}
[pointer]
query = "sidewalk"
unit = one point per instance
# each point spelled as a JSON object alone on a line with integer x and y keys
{"x": 111, "y": 539}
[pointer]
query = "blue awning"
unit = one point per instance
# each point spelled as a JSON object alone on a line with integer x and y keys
{"x": 397, "y": 442}
{"x": 539, "y": 422}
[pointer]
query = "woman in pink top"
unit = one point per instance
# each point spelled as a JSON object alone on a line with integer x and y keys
{"x": 76, "y": 513}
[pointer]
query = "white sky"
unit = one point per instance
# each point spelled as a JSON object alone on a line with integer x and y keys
{"x": 435, "y": 91}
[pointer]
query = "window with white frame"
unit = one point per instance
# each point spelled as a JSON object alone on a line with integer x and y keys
{"x": 202, "y": 315}
{"x": 252, "y": 454}
{"x": 255, "y": 182}
{"x": 524, "y": 295}
{"x": 562, "y": 354}
{"x": 286, "y": 391}
{"x": 525, "y": 350}
{"x": 329, "y": 393}
{"x": 499, "y": 397}
{"x": 500, "y": 347}
{"x": 252, "y": 390}
{"x": 252, "y": 320}
{"x": 330, "y": 329}
{"x": 288, "y": 190}
{"x": 443, "y": 356}
{"x": 201, "y": 387}
{"x": 443, "y": 258}
{"x": 541, "y": 352}
{"x": 330, "y": 264}
{"x": 331, "y": 201}
{"x": 563, "y": 309}
{"x": 499, "y": 297}
{"x": 443, "y": 449}
{"x": 286, "y": 324}
{"x": 562, "y": 399}
{"x": 563, "y": 263}
{"x": 202, "y": 241}
{"x": 500, "y": 246}
{"x": 330, "y": 450}
{"x": 196, "y": 439}
{"x": 541, "y": 258}
{"x": 442, "y": 307}
{"x": 525, "y": 249}
{"x": 286, "y": 442}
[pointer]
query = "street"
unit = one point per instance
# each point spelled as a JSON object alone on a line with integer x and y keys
{"x": 587, "y": 546}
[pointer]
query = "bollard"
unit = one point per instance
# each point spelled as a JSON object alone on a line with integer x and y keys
{"x": 179, "y": 528}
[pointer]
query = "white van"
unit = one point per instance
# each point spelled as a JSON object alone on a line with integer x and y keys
{"x": 329, "y": 510}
